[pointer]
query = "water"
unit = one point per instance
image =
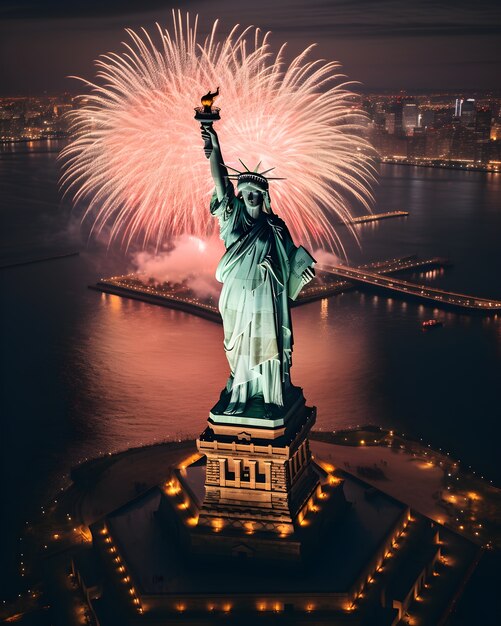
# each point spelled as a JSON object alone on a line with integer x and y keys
{"x": 84, "y": 373}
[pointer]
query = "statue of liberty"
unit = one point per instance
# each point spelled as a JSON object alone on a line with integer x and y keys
{"x": 260, "y": 270}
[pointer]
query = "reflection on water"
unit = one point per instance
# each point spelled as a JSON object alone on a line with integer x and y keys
{"x": 147, "y": 361}
{"x": 324, "y": 309}
{"x": 85, "y": 373}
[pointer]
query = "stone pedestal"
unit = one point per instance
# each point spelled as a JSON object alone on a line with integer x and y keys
{"x": 260, "y": 481}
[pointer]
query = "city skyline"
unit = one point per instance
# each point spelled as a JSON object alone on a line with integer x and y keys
{"x": 438, "y": 130}
{"x": 433, "y": 45}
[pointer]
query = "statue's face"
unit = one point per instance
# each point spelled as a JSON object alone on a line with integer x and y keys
{"x": 252, "y": 197}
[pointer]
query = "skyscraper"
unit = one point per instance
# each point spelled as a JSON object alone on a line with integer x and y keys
{"x": 428, "y": 119}
{"x": 482, "y": 135}
{"x": 389, "y": 123}
{"x": 409, "y": 117}
{"x": 397, "y": 110}
{"x": 468, "y": 112}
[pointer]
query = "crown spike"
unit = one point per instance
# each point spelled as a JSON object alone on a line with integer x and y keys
{"x": 232, "y": 168}
{"x": 266, "y": 171}
{"x": 257, "y": 167}
{"x": 244, "y": 165}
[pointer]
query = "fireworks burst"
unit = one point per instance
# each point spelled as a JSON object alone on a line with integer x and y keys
{"x": 136, "y": 156}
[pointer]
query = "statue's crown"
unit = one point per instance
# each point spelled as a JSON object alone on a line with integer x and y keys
{"x": 252, "y": 176}
{"x": 258, "y": 179}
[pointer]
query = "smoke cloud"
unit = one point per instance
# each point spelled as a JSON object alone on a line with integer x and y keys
{"x": 325, "y": 258}
{"x": 190, "y": 259}
{"x": 194, "y": 261}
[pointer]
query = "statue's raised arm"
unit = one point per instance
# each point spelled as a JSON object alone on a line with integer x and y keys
{"x": 217, "y": 166}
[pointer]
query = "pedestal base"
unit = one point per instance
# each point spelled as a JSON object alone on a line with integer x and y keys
{"x": 267, "y": 529}
{"x": 259, "y": 483}
{"x": 255, "y": 418}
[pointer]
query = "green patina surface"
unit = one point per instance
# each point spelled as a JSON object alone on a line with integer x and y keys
{"x": 260, "y": 271}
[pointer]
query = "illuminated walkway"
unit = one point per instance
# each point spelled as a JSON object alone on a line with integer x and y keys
{"x": 438, "y": 297}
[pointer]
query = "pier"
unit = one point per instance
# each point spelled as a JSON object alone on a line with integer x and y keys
{"x": 130, "y": 287}
{"x": 378, "y": 216}
{"x": 326, "y": 285}
{"x": 425, "y": 293}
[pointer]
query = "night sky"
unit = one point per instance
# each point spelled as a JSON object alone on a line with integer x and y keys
{"x": 385, "y": 44}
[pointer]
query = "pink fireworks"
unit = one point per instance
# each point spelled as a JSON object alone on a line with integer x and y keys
{"x": 136, "y": 157}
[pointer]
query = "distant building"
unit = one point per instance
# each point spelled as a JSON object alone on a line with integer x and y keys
{"x": 462, "y": 143}
{"x": 379, "y": 115}
{"x": 495, "y": 151}
{"x": 427, "y": 119}
{"x": 397, "y": 109}
{"x": 416, "y": 144}
{"x": 443, "y": 117}
{"x": 496, "y": 131}
{"x": 409, "y": 117}
{"x": 389, "y": 123}
{"x": 388, "y": 144}
{"x": 438, "y": 142}
{"x": 483, "y": 121}
{"x": 468, "y": 113}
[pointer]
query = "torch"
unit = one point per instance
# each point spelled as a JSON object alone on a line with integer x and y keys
{"x": 206, "y": 115}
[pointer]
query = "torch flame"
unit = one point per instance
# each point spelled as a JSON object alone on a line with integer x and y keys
{"x": 209, "y": 98}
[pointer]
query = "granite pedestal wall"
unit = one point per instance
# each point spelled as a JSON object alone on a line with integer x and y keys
{"x": 260, "y": 481}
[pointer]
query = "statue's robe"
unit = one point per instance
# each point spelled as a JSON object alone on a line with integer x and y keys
{"x": 254, "y": 302}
